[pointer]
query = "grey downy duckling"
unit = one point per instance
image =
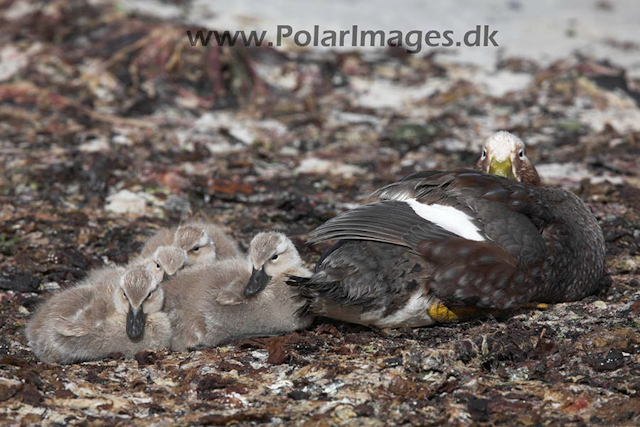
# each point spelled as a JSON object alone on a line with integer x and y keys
{"x": 121, "y": 313}
{"x": 162, "y": 237}
{"x": 440, "y": 245}
{"x": 203, "y": 242}
{"x": 237, "y": 298}
{"x": 165, "y": 261}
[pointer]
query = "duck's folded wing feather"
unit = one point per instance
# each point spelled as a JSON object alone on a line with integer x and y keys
{"x": 366, "y": 275}
{"x": 507, "y": 212}
{"x": 388, "y": 221}
{"x": 416, "y": 184}
{"x": 479, "y": 274}
{"x": 517, "y": 197}
{"x": 464, "y": 188}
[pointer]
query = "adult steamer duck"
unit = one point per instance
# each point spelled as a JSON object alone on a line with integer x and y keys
{"x": 439, "y": 245}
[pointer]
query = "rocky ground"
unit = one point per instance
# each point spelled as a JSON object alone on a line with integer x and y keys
{"x": 111, "y": 126}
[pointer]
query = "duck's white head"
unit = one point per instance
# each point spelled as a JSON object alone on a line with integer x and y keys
{"x": 504, "y": 154}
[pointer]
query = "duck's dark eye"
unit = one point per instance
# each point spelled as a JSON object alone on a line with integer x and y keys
{"x": 521, "y": 154}
{"x": 484, "y": 153}
{"x": 150, "y": 293}
{"x": 196, "y": 249}
{"x": 124, "y": 294}
{"x": 275, "y": 257}
{"x": 157, "y": 266}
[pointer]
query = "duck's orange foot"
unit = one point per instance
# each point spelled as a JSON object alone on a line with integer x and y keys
{"x": 539, "y": 306}
{"x": 443, "y": 314}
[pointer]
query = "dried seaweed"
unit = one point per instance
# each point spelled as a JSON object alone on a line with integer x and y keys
{"x": 112, "y": 126}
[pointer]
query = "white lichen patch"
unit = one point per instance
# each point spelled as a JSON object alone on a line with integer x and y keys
{"x": 314, "y": 165}
{"x": 126, "y": 202}
{"x": 95, "y": 145}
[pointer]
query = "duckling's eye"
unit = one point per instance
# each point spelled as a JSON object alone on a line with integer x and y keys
{"x": 275, "y": 257}
{"x": 196, "y": 249}
{"x": 521, "y": 154}
{"x": 484, "y": 153}
{"x": 157, "y": 266}
{"x": 150, "y": 293}
{"x": 124, "y": 294}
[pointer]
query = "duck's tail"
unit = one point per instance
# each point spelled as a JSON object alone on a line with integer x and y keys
{"x": 313, "y": 289}
{"x": 305, "y": 292}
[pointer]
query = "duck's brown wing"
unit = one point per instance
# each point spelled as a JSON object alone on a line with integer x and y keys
{"x": 478, "y": 274}
{"x": 465, "y": 188}
{"x": 366, "y": 276}
{"x": 470, "y": 204}
{"x": 388, "y": 221}
{"x": 487, "y": 247}
{"x": 510, "y": 214}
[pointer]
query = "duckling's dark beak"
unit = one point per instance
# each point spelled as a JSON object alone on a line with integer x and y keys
{"x": 135, "y": 322}
{"x": 258, "y": 281}
{"x": 501, "y": 168}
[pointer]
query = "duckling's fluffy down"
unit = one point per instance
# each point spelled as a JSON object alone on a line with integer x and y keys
{"x": 81, "y": 324}
{"x": 207, "y": 308}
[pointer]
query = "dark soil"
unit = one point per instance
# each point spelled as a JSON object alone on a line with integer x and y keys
{"x": 111, "y": 126}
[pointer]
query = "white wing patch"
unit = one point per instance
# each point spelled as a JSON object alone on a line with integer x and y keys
{"x": 449, "y": 218}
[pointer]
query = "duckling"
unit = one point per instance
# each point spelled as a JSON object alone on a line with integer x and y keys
{"x": 438, "y": 245}
{"x": 165, "y": 261}
{"x": 121, "y": 313}
{"x": 203, "y": 242}
{"x": 163, "y": 237}
{"x": 238, "y": 297}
